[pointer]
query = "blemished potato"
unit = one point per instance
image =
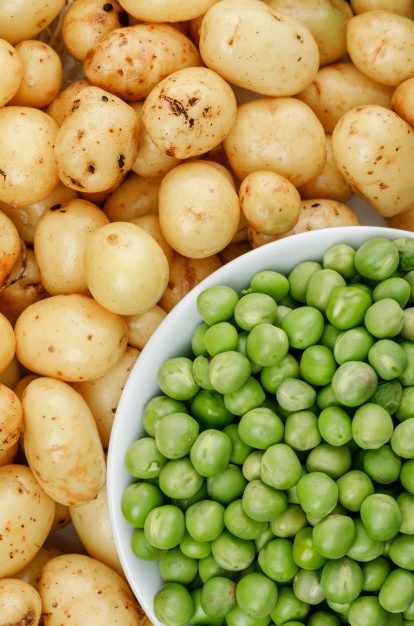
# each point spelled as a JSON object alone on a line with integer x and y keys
{"x": 339, "y": 88}
{"x": 374, "y": 150}
{"x": 102, "y": 394}
{"x": 12, "y": 71}
{"x": 142, "y": 326}
{"x": 61, "y": 238}
{"x": 61, "y": 107}
{"x": 185, "y": 274}
{"x": 151, "y": 161}
{"x": 151, "y": 224}
{"x": 69, "y": 337}
{"x": 278, "y": 57}
{"x": 403, "y": 7}
{"x": 25, "y": 19}
{"x": 130, "y": 61}
{"x": 325, "y": 21}
{"x": 97, "y": 144}
{"x": 135, "y": 197}
{"x": 265, "y": 137}
{"x": 403, "y": 100}
{"x": 61, "y": 442}
{"x": 26, "y": 516}
{"x": 31, "y": 572}
{"x": 11, "y": 418}
{"x": 166, "y": 10}
{"x": 198, "y": 209}
{"x": 24, "y": 291}
{"x": 87, "y": 21}
{"x": 77, "y": 590}
{"x": 20, "y": 603}
{"x": 10, "y": 248}
{"x": 28, "y": 170}
{"x": 7, "y": 342}
{"x": 381, "y": 45}
{"x": 10, "y": 376}
{"x": 125, "y": 268}
{"x": 7, "y": 456}
{"x": 270, "y": 203}
{"x": 42, "y": 74}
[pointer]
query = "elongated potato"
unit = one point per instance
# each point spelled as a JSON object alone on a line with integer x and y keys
{"x": 20, "y": 603}
{"x": 26, "y": 516}
{"x": 42, "y": 74}
{"x": 185, "y": 274}
{"x": 402, "y": 7}
{"x": 135, "y": 197}
{"x": 70, "y": 337}
{"x": 25, "y": 19}
{"x": 142, "y": 326}
{"x": 61, "y": 442}
{"x": 31, "y": 572}
{"x": 11, "y": 418}
{"x": 166, "y": 10}
{"x": 12, "y": 72}
{"x": 403, "y": 100}
{"x": 22, "y": 291}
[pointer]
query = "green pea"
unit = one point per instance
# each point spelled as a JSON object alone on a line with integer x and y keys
{"x": 317, "y": 365}
{"x": 407, "y": 378}
{"x": 261, "y": 502}
{"x": 218, "y": 596}
{"x": 305, "y": 553}
{"x": 220, "y": 337}
{"x": 406, "y": 503}
{"x": 407, "y": 331}
{"x": 354, "y": 383}
{"x": 256, "y": 595}
{"x": 353, "y": 345}
{"x": 216, "y": 304}
{"x": 201, "y": 373}
{"x": 175, "y": 378}
{"x": 329, "y": 336}
{"x": 270, "y": 282}
{"x": 157, "y": 408}
{"x": 402, "y": 551}
{"x": 372, "y": 426}
{"x": 232, "y": 553}
{"x": 209, "y": 410}
{"x": 381, "y": 516}
{"x": 341, "y": 580}
{"x": 195, "y": 549}
{"x": 261, "y": 428}
{"x": 317, "y": 493}
{"x": 251, "y": 465}
{"x": 249, "y": 396}
{"x": 406, "y": 407}
{"x": 388, "y": 395}
{"x": 396, "y": 288}
{"x": 341, "y": 609}
{"x": 173, "y": 605}
{"x": 266, "y": 344}
{"x": 179, "y": 479}
{"x": 288, "y": 523}
{"x": 333, "y": 536}
{"x": 377, "y": 259}
{"x": 332, "y": 460}
{"x": 211, "y": 452}
{"x": 142, "y": 549}
{"x": 301, "y": 430}
{"x": 347, "y": 306}
{"x": 264, "y": 538}
{"x": 323, "y": 618}
{"x": 272, "y": 376}
{"x": 138, "y": 500}
{"x": 340, "y": 258}
{"x": 199, "y": 616}
{"x": 382, "y": 465}
{"x": 366, "y": 611}
{"x": 294, "y": 394}
{"x": 229, "y": 371}
{"x": 364, "y": 548}
{"x": 208, "y": 568}
{"x": 397, "y": 593}
{"x": 384, "y": 318}
{"x": 253, "y": 309}
{"x": 307, "y": 587}
{"x": 143, "y": 459}
{"x": 303, "y": 326}
{"x": 388, "y": 359}
{"x": 276, "y": 560}
{"x": 288, "y": 607}
{"x": 402, "y": 440}
{"x": 177, "y": 568}
{"x": 199, "y": 495}
{"x": 409, "y": 613}
{"x": 407, "y": 476}
{"x": 282, "y": 311}
{"x": 299, "y": 278}
{"x": 280, "y": 467}
{"x": 320, "y": 286}
{"x": 205, "y": 520}
{"x": 405, "y": 247}
{"x": 176, "y": 434}
{"x": 239, "y": 449}
{"x": 334, "y": 425}
{"x": 164, "y": 527}
{"x": 353, "y": 488}
{"x": 240, "y": 524}
{"x": 226, "y": 486}
{"x": 197, "y": 340}
{"x": 326, "y": 397}
{"x": 237, "y": 617}
{"x": 375, "y": 573}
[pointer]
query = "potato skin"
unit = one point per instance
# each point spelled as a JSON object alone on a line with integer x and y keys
{"x": 11, "y": 418}
{"x": 403, "y": 100}
{"x": 166, "y": 10}
{"x": 12, "y": 72}
{"x": 20, "y": 603}
{"x": 25, "y": 19}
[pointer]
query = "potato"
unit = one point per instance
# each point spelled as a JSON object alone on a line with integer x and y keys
{"x": 266, "y": 136}
{"x": 102, "y": 394}
{"x": 61, "y": 238}
{"x": 278, "y": 57}
{"x": 142, "y": 326}
{"x": 26, "y": 516}
{"x": 381, "y": 45}
{"x": 404, "y": 220}
{"x": 185, "y": 274}
{"x": 166, "y": 10}
{"x": 134, "y": 198}
{"x": 61, "y": 442}
{"x": 10, "y": 248}
{"x": 87, "y": 21}
{"x": 344, "y": 7}
{"x": 22, "y": 291}
{"x": 10, "y": 376}
{"x": 31, "y": 572}
{"x": 402, "y": 7}
{"x": 62, "y": 516}
{"x": 198, "y": 209}
{"x": 11, "y": 418}
{"x": 125, "y": 268}
{"x": 69, "y": 337}
{"x": 151, "y": 224}
{"x": 12, "y": 72}
{"x": 403, "y": 100}
{"x": 97, "y": 144}
{"x": 7, "y": 456}
{"x": 20, "y": 603}
{"x": 42, "y": 74}
{"x": 61, "y": 107}
{"x": 374, "y": 149}
{"x": 7, "y": 342}
{"x": 151, "y": 161}
{"x": 241, "y": 233}
{"x": 27, "y": 163}
{"x": 339, "y": 88}
{"x": 22, "y": 384}
{"x": 23, "y": 19}
{"x": 129, "y": 62}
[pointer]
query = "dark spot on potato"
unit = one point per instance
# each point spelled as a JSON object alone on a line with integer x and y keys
{"x": 123, "y": 18}
{"x": 89, "y": 337}
{"x": 121, "y": 161}
{"x": 299, "y": 59}
{"x": 193, "y": 101}
{"x": 11, "y": 53}
{"x": 383, "y": 186}
{"x": 75, "y": 105}
{"x": 50, "y": 349}
{"x": 112, "y": 239}
{"x": 170, "y": 151}
{"x": 176, "y": 106}
{"x": 76, "y": 182}
{"x": 80, "y": 134}
{"x": 121, "y": 72}
{"x": 91, "y": 168}
{"x": 129, "y": 60}
{"x": 299, "y": 37}
{"x": 3, "y": 173}
{"x": 315, "y": 205}
{"x": 105, "y": 98}
{"x": 108, "y": 7}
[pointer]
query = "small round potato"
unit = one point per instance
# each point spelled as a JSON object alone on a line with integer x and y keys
{"x": 142, "y": 326}
{"x": 11, "y": 418}
{"x": 381, "y": 45}
{"x": 402, "y": 7}
{"x": 266, "y": 135}
{"x": 199, "y": 209}
{"x": 189, "y": 112}
{"x": 7, "y": 456}
{"x": 135, "y": 197}
{"x": 20, "y": 603}
{"x": 151, "y": 161}
{"x": 26, "y": 516}
{"x": 11, "y": 72}
{"x": 403, "y": 100}
{"x": 23, "y": 19}
{"x": 166, "y": 10}
{"x": 24, "y": 291}
{"x": 185, "y": 274}
{"x": 277, "y": 56}
{"x": 61, "y": 107}
{"x": 42, "y": 74}
{"x": 129, "y": 62}
{"x": 70, "y": 337}
{"x": 31, "y": 572}
{"x": 151, "y": 224}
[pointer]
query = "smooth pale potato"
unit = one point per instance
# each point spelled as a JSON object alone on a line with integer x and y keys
{"x": 20, "y": 603}
{"x": 151, "y": 161}
{"x": 374, "y": 151}
{"x": 403, "y": 100}
{"x": 11, "y": 71}
{"x": 329, "y": 183}
{"x": 135, "y": 197}
{"x": 151, "y": 224}
{"x": 23, "y": 19}
{"x": 10, "y": 376}
{"x": 142, "y": 326}
{"x": 198, "y": 209}
{"x": 69, "y": 337}
{"x": 98, "y": 197}
{"x": 339, "y": 88}
{"x": 102, "y": 394}
{"x": 22, "y": 384}
{"x": 62, "y": 516}
{"x": 185, "y": 274}
{"x": 24, "y": 290}
{"x": 9, "y": 246}
{"x": 97, "y": 144}
{"x": 26, "y": 516}
{"x": 344, "y": 7}
{"x": 61, "y": 238}
{"x": 87, "y": 21}
{"x": 325, "y": 21}
{"x": 31, "y": 572}
{"x": 42, "y": 74}
{"x": 7, "y": 456}
{"x": 403, "y": 7}
{"x": 129, "y": 62}
{"x": 7, "y": 342}
{"x": 61, "y": 442}
{"x": 166, "y": 10}
{"x": 241, "y": 233}
{"x": 266, "y": 136}
{"x": 27, "y": 163}
{"x": 61, "y": 107}
{"x": 11, "y": 418}
{"x": 125, "y": 268}
{"x": 381, "y": 45}
{"x": 270, "y": 203}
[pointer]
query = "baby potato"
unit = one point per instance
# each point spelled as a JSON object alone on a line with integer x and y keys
{"x": 12, "y": 72}
{"x": 87, "y": 21}
{"x": 281, "y": 135}
{"x": 77, "y": 590}
{"x": 61, "y": 238}
{"x": 185, "y": 274}
{"x": 27, "y": 163}
{"x": 130, "y": 61}
{"x": 11, "y": 418}
{"x": 25, "y": 19}
{"x": 26, "y": 516}
{"x": 7, "y": 343}
{"x": 61, "y": 442}
{"x": 22, "y": 384}
{"x": 339, "y": 88}
{"x": 10, "y": 376}
{"x": 102, "y": 394}
{"x": 198, "y": 209}
{"x": 404, "y": 220}
{"x": 10, "y": 248}
{"x": 42, "y": 74}
{"x": 31, "y": 572}
{"x": 23, "y": 290}
{"x": 97, "y": 144}
{"x": 69, "y": 337}
{"x": 270, "y": 203}
{"x": 7, "y": 456}
{"x": 61, "y": 107}
{"x": 142, "y": 326}
{"x": 20, "y": 603}
{"x": 278, "y": 57}
{"x": 381, "y": 45}
{"x": 403, "y": 100}
{"x": 151, "y": 224}
{"x": 135, "y": 197}
{"x": 166, "y": 10}
{"x": 402, "y": 7}
{"x": 151, "y": 161}
{"x": 374, "y": 149}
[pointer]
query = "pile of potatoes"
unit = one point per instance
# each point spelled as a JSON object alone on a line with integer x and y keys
{"x": 197, "y": 130}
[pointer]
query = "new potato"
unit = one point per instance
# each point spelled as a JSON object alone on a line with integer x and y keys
{"x": 22, "y": 291}
{"x": 22, "y": 19}
{"x": 166, "y": 10}
{"x": 20, "y": 603}
{"x": 135, "y": 197}
{"x": 42, "y": 74}
{"x": 142, "y": 326}
{"x": 9, "y": 246}
{"x": 31, "y": 572}
{"x": 12, "y": 72}
{"x": 403, "y": 100}
{"x": 185, "y": 274}
{"x": 402, "y": 7}
{"x": 7, "y": 342}
{"x": 151, "y": 224}
{"x": 11, "y": 418}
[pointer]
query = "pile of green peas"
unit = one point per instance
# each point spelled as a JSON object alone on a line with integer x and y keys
{"x": 275, "y": 482}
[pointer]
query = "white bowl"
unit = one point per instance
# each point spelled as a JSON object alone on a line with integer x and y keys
{"x": 172, "y": 338}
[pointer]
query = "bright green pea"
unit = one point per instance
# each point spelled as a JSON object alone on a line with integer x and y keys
{"x": 323, "y": 618}
{"x": 195, "y": 549}
{"x": 251, "y": 465}
{"x": 397, "y": 593}
{"x": 326, "y": 397}
{"x": 270, "y": 282}
{"x": 175, "y": 567}
{"x": 143, "y": 459}
{"x": 173, "y": 605}
{"x": 387, "y": 358}
{"x": 211, "y": 452}
{"x": 407, "y": 331}
{"x": 208, "y": 568}
{"x": 332, "y": 460}
{"x": 280, "y": 467}
{"x": 253, "y": 309}
{"x": 301, "y": 430}
{"x": 303, "y": 326}
{"x": 157, "y": 408}
{"x": 317, "y": 493}
{"x": 388, "y": 395}
{"x": 218, "y": 596}
{"x": 233, "y": 553}
{"x": 340, "y": 258}
{"x": 402, "y": 440}
{"x": 263, "y": 539}
{"x": 341, "y": 609}
{"x": 176, "y": 434}
{"x": 396, "y": 288}
{"x": 294, "y": 394}
{"x": 205, "y": 520}
{"x": 239, "y": 449}
{"x": 384, "y": 318}
{"x": 256, "y": 595}
{"x": 179, "y": 479}
{"x": 407, "y": 476}
{"x": 353, "y": 488}
{"x": 272, "y": 376}
{"x": 382, "y": 465}
{"x": 282, "y": 311}
{"x": 307, "y": 587}
{"x": 199, "y": 617}
{"x": 138, "y": 500}
{"x": 299, "y": 278}
{"x": 209, "y": 410}
{"x": 334, "y": 425}
{"x": 197, "y": 339}
{"x": 288, "y": 607}
{"x": 406, "y": 407}
{"x": 288, "y": 523}
{"x": 317, "y": 365}
{"x": 164, "y": 527}
{"x": 353, "y": 345}
{"x": 329, "y": 336}
{"x": 175, "y": 378}
{"x": 381, "y": 516}
{"x": 377, "y": 259}
{"x": 407, "y": 378}
{"x": 405, "y": 247}
{"x": 229, "y": 371}
{"x": 226, "y": 486}
{"x": 266, "y": 344}
{"x": 354, "y": 383}
{"x": 249, "y": 396}
{"x": 347, "y": 306}
{"x": 372, "y": 426}
{"x": 240, "y": 524}
{"x": 402, "y": 551}
{"x": 201, "y": 373}
{"x": 333, "y": 536}
{"x": 341, "y": 580}
{"x": 237, "y": 617}
{"x": 261, "y": 502}
{"x": 364, "y": 548}
{"x": 406, "y": 503}
{"x": 142, "y": 549}
{"x": 320, "y": 286}
{"x": 409, "y": 613}
{"x": 261, "y": 428}
{"x": 216, "y": 304}
{"x": 305, "y": 554}
{"x": 375, "y": 573}
{"x": 220, "y": 337}
{"x": 276, "y": 560}
{"x": 366, "y": 611}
